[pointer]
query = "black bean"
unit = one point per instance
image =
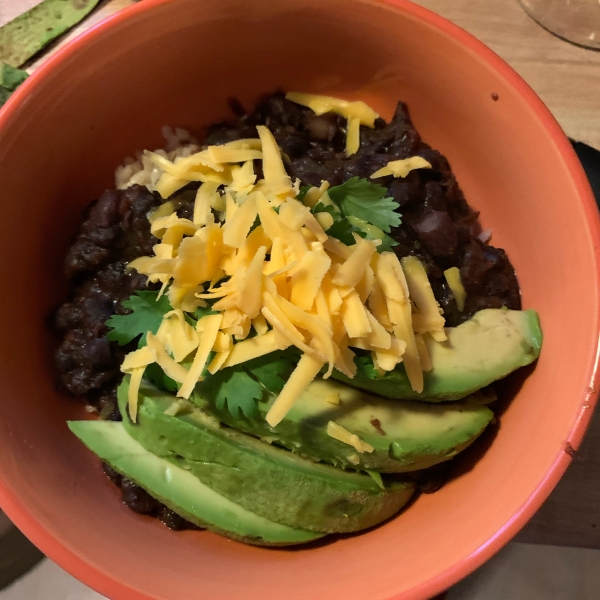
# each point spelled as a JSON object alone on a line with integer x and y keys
{"x": 321, "y": 128}
{"x": 115, "y": 477}
{"x": 174, "y": 521}
{"x": 138, "y": 499}
{"x": 437, "y": 233}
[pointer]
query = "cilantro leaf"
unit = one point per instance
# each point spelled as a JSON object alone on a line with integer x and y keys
{"x": 154, "y": 374}
{"x": 274, "y": 369}
{"x": 319, "y": 207}
{"x": 365, "y": 367}
{"x": 387, "y": 242}
{"x": 365, "y": 200}
{"x": 146, "y": 315}
{"x": 302, "y": 192}
{"x": 202, "y": 311}
{"x": 242, "y": 386}
{"x": 233, "y": 387}
{"x": 342, "y": 230}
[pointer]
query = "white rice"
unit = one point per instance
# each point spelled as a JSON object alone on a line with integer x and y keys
{"x": 485, "y": 236}
{"x": 141, "y": 170}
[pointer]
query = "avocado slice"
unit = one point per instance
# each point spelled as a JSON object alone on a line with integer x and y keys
{"x": 495, "y": 342}
{"x": 264, "y": 479}
{"x": 405, "y": 435}
{"x": 175, "y": 486}
{"x": 25, "y": 36}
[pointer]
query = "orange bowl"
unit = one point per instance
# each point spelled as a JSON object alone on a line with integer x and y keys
{"x": 176, "y": 62}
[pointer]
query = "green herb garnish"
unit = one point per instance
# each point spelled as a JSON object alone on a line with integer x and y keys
{"x": 146, "y": 315}
{"x": 242, "y": 386}
{"x": 367, "y": 201}
{"x": 238, "y": 387}
{"x": 365, "y": 367}
{"x": 360, "y": 201}
{"x": 232, "y": 387}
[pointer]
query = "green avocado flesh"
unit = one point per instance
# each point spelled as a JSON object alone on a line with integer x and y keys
{"x": 487, "y": 347}
{"x": 26, "y": 35}
{"x": 405, "y": 435}
{"x": 10, "y": 80}
{"x": 264, "y": 479}
{"x": 179, "y": 489}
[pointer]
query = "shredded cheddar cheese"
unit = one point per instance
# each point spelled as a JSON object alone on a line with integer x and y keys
{"x": 429, "y": 316}
{"x": 401, "y": 168}
{"x": 208, "y": 326}
{"x": 455, "y": 284}
{"x": 343, "y": 435}
{"x": 265, "y": 264}
{"x": 357, "y": 113}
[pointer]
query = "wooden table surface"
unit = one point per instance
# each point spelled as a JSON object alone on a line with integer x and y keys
{"x": 567, "y": 78}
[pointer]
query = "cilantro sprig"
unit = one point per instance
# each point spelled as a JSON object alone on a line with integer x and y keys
{"x": 366, "y": 201}
{"x": 361, "y": 201}
{"x": 239, "y": 387}
{"x": 242, "y": 386}
{"x": 147, "y": 311}
{"x": 146, "y": 314}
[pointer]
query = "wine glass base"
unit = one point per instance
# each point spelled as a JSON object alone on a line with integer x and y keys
{"x": 575, "y": 21}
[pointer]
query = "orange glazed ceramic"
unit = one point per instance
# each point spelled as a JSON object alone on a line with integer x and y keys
{"x": 176, "y": 62}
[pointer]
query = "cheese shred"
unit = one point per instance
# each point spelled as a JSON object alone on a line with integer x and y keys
{"x": 341, "y": 434}
{"x": 456, "y": 286}
{"x": 133, "y": 394}
{"x": 306, "y": 370}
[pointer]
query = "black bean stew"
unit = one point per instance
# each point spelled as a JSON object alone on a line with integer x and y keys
{"x": 438, "y": 226}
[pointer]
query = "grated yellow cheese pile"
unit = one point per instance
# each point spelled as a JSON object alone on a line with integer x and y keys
{"x": 274, "y": 278}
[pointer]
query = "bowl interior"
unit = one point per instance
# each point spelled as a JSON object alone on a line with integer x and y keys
{"x": 176, "y": 63}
